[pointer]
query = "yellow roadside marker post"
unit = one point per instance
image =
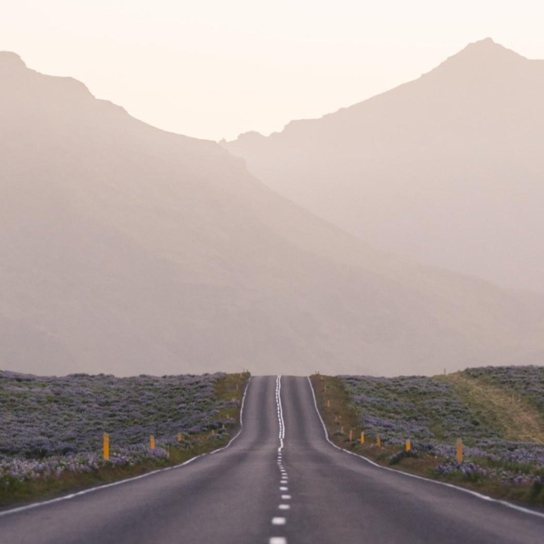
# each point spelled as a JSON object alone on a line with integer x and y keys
{"x": 152, "y": 442}
{"x": 378, "y": 441}
{"x": 351, "y": 435}
{"x": 408, "y": 445}
{"x": 342, "y": 429}
{"x": 362, "y": 438}
{"x": 179, "y": 437}
{"x": 328, "y": 403}
{"x": 459, "y": 455}
{"x": 106, "y": 446}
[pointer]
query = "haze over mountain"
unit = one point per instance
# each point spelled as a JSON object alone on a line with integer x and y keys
{"x": 447, "y": 169}
{"x": 125, "y": 249}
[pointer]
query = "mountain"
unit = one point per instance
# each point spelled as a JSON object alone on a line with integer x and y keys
{"x": 127, "y": 250}
{"x": 447, "y": 169}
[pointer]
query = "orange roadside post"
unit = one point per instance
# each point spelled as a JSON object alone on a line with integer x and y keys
{"x": 459, "y": 454}
{"x": 106, "y": 446}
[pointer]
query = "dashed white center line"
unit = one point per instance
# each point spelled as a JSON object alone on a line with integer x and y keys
{"x": 283, "y": 481}
{"x": 280, "y": 413}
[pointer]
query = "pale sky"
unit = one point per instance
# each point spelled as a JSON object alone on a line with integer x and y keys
{"x": 216, "y": 68}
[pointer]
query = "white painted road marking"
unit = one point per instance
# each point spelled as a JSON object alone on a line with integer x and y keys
{"x": 280, "y": 520}
{"x": 280, "y": 413}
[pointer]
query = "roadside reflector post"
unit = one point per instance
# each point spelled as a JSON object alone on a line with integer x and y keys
{"x": 378, "y": 441}
{"x": 342, "y": 429}
{"x": 106, "y": 446}
{"x": 408, "y": 445}
{"x": 459, "y": 455}
{"x": 328, "y": 403}
{"x": 152, "y": 442}
{"x": 350, "y": 435}
{"x": 179, "y": 437}
{"x": 362, "y": 438}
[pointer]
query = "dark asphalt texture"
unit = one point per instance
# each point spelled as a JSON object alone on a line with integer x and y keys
{"x": 233, "y": 496}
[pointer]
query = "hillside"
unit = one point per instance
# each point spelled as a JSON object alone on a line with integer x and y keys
{"x": 129, "y": 250}
{"x": 495, "y": 412}
{"x": 446, "y": 169}
{"x": 52, "y": 428}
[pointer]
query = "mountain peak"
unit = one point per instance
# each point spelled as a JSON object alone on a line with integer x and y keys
{"x": 10, "y": 61}
{"x": 252, "y": 135}
{"x": 481, "y": 57}
{"x": 486, "y": 42}
{"x": 489, "y": 47}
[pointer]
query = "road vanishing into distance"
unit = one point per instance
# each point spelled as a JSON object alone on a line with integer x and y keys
{"x": 279, "y": 482}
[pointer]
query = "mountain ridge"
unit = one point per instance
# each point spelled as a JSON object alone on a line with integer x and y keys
{"x": 400, "y": 169}
{"x": 128, "y": 250}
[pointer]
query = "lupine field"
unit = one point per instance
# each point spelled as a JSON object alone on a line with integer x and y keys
{"x": 431, "y": 413}
{"x": 434, "y": 412}
{"x": 50, "y": 426}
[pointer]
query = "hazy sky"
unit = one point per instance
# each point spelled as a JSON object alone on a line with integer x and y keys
{"x": 215, "y": 68}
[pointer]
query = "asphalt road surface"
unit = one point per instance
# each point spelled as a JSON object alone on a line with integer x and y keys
{"x": 279, "y": 482}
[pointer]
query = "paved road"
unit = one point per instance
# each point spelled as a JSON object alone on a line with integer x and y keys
{"x": 252, "y": 492}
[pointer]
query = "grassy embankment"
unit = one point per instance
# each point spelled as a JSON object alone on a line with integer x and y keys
{"x": 229, "y": 387}
{"x": 499, "y": 413}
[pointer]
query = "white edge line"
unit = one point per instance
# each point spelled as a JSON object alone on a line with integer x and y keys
{"x": 133, "y": 479}
{"x": 464, "y": 490}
